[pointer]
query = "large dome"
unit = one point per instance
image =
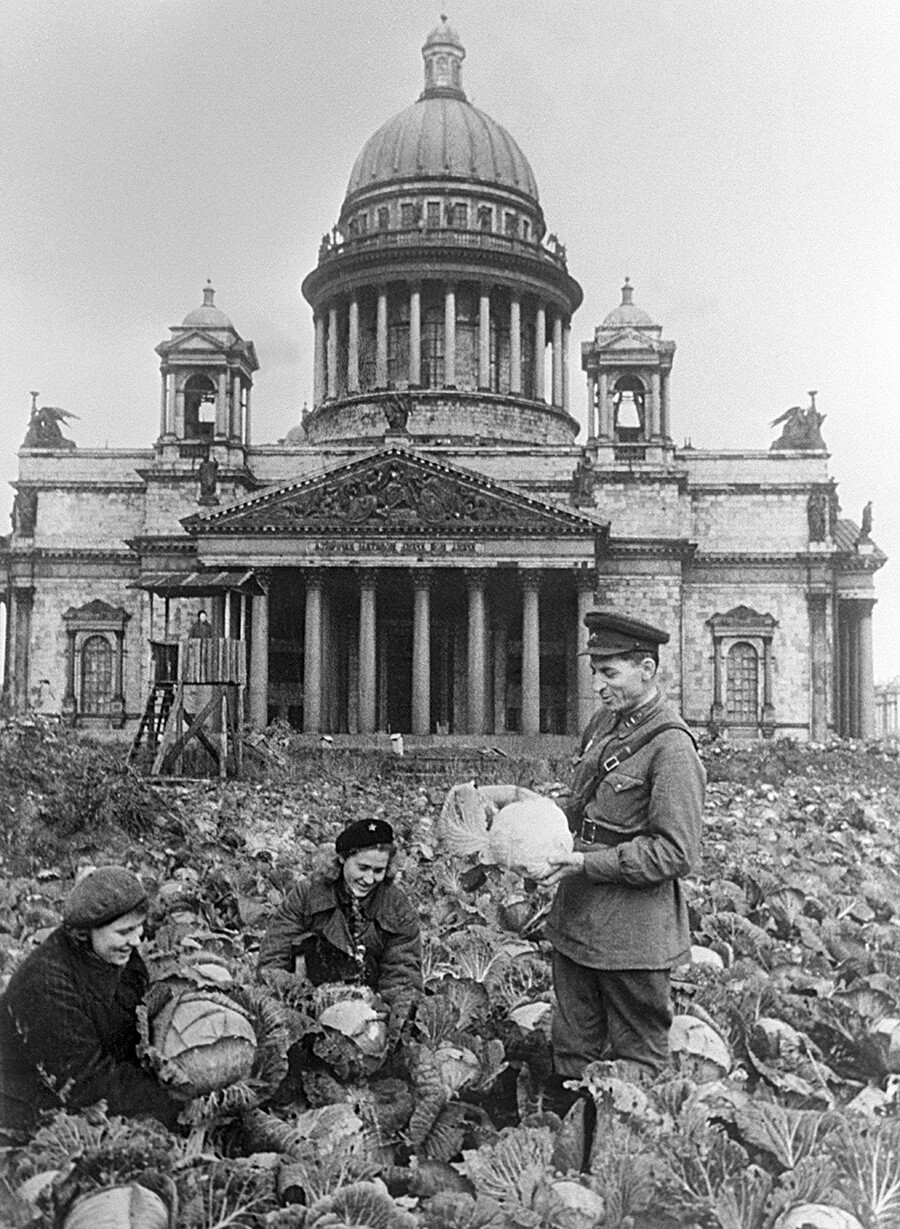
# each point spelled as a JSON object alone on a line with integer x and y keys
{"x": 442, "y": 138}
{"x": 442, "y": 135}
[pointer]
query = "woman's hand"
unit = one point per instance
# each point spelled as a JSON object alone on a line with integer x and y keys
{"x": 561, "y": 868}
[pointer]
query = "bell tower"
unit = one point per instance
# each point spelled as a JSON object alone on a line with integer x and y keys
{"x": 628, "y": 366}
{"x": 207, "y": 375}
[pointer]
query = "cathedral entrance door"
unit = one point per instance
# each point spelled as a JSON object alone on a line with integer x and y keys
{"x": 395, "y": 674}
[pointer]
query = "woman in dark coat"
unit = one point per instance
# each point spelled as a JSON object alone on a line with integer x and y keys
{"x": 350, "y": 923}
{"x": 68, "y": 1026}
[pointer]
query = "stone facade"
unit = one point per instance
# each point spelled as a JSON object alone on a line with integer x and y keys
{"x": 418, "y": 554}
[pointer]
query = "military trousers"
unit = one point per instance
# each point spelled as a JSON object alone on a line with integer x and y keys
{"x": 609, "y": 1014}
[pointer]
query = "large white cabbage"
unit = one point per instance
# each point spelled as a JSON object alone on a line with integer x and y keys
{"x": 504, "y": 825}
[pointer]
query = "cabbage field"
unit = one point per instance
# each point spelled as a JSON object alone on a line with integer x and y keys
{"x": 781, "y": 1110}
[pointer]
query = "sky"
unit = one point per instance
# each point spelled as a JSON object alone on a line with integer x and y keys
{"x": 737, "y": 159}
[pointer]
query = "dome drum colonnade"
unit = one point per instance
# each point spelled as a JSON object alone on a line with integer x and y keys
{"x": 412, "y": 297}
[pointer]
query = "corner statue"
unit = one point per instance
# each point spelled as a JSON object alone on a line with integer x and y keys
{"x": 619, "y": 920}
{"x": 44, "y": 429}
{"x": 802, "y": 429}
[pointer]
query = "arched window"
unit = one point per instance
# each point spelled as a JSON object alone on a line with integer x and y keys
{"x": 629, "y": 400}
{"x": 96, "y": 676}
{"x": 199, "y": 408}
{"x": 742, "y": 685}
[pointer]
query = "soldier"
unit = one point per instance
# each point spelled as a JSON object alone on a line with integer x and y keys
{"x": 619, "y": 920}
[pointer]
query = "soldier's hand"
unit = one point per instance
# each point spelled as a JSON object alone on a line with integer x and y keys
{"x": 561, "y": 869}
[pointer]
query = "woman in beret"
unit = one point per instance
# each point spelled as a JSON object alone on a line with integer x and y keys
{"x": 350, "y": 922}
{"x": 68, "y": 1025}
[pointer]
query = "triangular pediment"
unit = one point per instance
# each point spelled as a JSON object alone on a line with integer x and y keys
{"x": 629, "y": 340}
{"x": 394, "y": 492}
{"x": 197, "y": 340}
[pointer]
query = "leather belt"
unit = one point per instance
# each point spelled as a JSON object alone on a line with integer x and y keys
{"x": 596, "y": 832}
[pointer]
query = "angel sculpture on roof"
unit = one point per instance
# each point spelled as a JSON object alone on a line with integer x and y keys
{"x": 44, "y": 430}
{"x": 801, "y": 429}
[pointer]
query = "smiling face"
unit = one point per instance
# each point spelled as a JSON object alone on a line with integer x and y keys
{"x": 622, "y": 684}
{"x": 365, "y": 869}
{"x": 114, "y": 942}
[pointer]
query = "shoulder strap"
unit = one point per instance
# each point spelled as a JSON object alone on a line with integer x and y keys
{"x": 641, "y": 739}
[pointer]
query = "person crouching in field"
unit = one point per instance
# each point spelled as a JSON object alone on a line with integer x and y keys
{"x": 350, "y": 922}
{"x": 68, "y": 1024}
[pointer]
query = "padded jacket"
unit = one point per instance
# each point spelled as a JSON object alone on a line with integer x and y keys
{"x": 311, "y": 923}
{"x": 68, "y": 1036}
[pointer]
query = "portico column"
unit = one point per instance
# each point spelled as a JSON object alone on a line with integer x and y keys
{"x": 584, "y": 674}
{"x": 258, "y": 681}
{"x": 247, "y": 392}
{"x": 531, "y": 654}
{"x": 484, "y": 339}
{"x": 855, "y": 727}
{"x": 319, "y": 359}
{"x": 818, "y": 716}
{"x": 415, "y": 336}
{"x": 421, "y": 657}
{"x": 655, "y": 427}
{"x": 367, "y": 581}
{"x": 477, "y": 653}
{"x": 515, "y": 345}
{"x": 353, "y": 347}
{"x": 843, "y": 620}
{"x": 450, "y": 336}
{"x": 540, "y": 351}
{"x": 866, "y": 684}
{"x": 312, "y": 655}
{"x": 179, "y": 409}
{"x": 163, "y": 402}
{"x": 332, "y": 350}
{"x": 665, "y": 424}
{"x": 381, "y": 339}
{"x": 222, "y": 404}
{"x": 566, "y": 334}
{"x": 556, "y": 348}
{"x": 604, "y": 416}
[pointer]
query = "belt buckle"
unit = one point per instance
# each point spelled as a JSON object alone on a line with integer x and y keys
{"x": 611, "y": 763}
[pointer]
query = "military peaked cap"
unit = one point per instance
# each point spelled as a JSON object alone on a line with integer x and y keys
{"x": 610, "y": 634}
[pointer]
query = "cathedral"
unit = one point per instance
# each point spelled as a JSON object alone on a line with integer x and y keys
{"x": 418, "y": 554}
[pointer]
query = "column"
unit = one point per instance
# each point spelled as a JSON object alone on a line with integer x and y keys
{"x": 415, "y": 336}
{"x": 515, "y": 344}
{"x": 484, "y": 339}
{"x": 566, "y": 335}
{"x": 556, "y": 366}
{"x": 450, "y": 337}
{"x": 604, "y": 417}
{"x": 665, "y": 422}
{"x": 531, "y": 654}
{"x": 540, "y": 351}
{"x": 179, "y": 409}
{"x": 169, "y": 382}
{"x": 768, "y": 708}
{"x": 866, "y": 685}
{"x": 21, "y": 680}
{"x": 367, "y": 581}
{"x": 854, "y": 671}
{"x": 163, "y": 403}
{"x": 421, "y": 657}
{"x": 655, "y": 406}
{"x": 319, "y": 359}
{"x": 117, "y": 704}
{"x": 221, "y": 428}
{"x": 718, "y": 708}
{"x": 353, "y": 347}
{"x": 591, "y": 423}
{"x": 312, "y": 655}
{"x": 69, "y": 704}
{"x": 332, "y": 352}
{"x": 477, "y": 653}
{"x": 235, "y": 429}
{"x": 843, "y": 628}
{"x": 9, "y": 649}
{"x": 381, "y": 339}
{"x": 501, "y": 654}
{"x": 584, "y": 675}
{"x": 258, "y": 680}
{"x": 246, "y": 435}
{"x": 818, "y": 716}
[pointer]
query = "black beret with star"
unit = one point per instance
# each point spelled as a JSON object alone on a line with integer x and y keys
{"x": 363, "y": 834}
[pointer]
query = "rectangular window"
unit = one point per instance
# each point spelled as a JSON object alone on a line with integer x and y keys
{"x": 363, "y": 223}
{"x": 407, "y": 215}
{"x": 509, "y": 224}
{"x": 384, "y": 218}
{"x": 434, "y": 215}
{"x": 485, "y": 217}
{"x": 459, "y": 215}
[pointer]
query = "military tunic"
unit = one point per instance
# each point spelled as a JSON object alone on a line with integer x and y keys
{"x": 627, "y": 910}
